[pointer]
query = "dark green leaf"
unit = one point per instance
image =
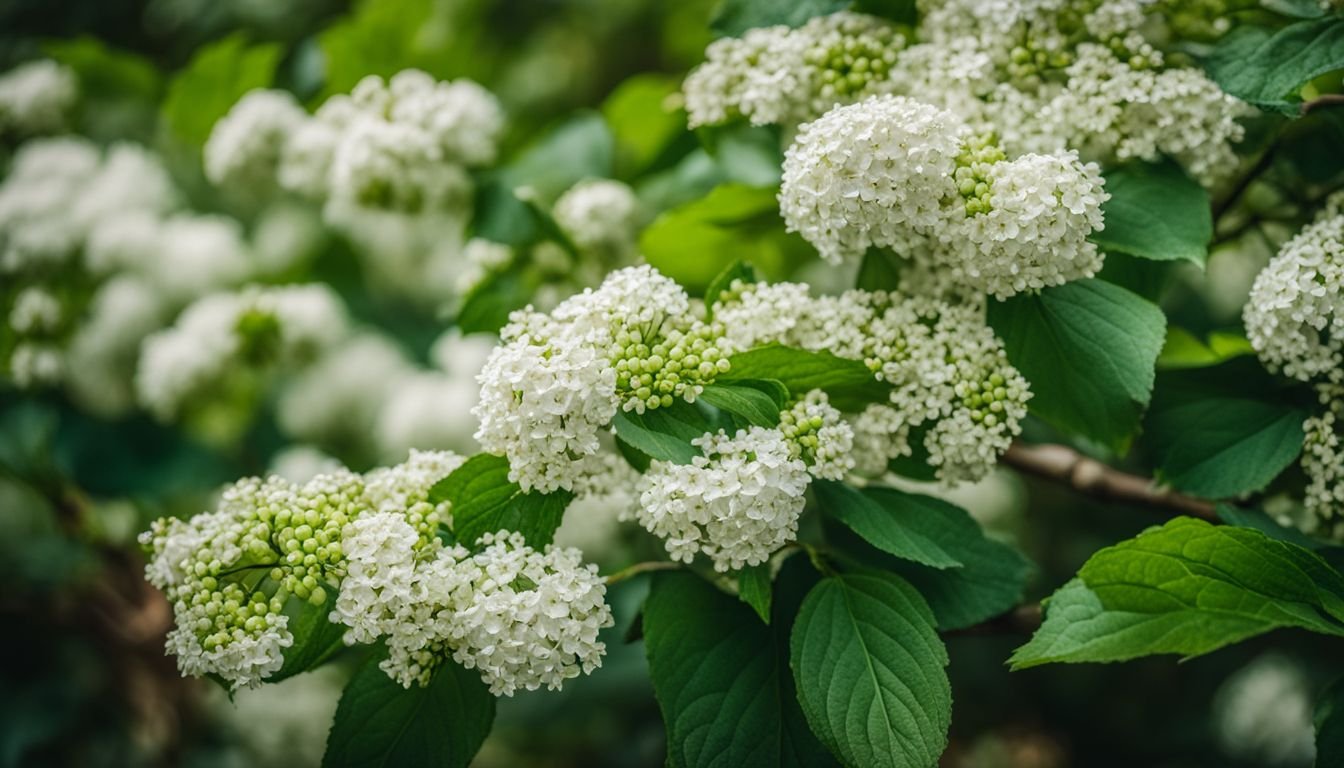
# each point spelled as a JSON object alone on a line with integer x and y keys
{"x": 721, "y": 679}
{"x": 903, "y": 525}
{"x": 849, "y": 383}
{"x": 1156, "y": 212}
{"x": 753, "y": 588}
{"x": 879, "y": 271}
{"x": 212, "y": 82}
{"x": 870, "y": 671}
{"x": 735, "y": 17}
{"x": 1330, "y": 726}
{"x": 316, "y": 638}
{"x": 1088, "y": 348}
{"x": 379, "y": 723}
{"x": 1268, "y": 67}
{"x": 486, "y": 309}
{"x": 580, "y": 148}
{"x": 1254, "y": 518}
{"x": 485, "y": 501}
{"x": 751, "y": 403}
{"x": 1212, "y": 436}
{"x": 664, "y": 433}
{"x": 1186, "y": 588}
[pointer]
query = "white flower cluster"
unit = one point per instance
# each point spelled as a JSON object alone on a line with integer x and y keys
{"x": 225, "y": 335}
{"x": 950, "y": 375}
{"x": 1295, "y": 315}
{"x": 402, "y": 144}
{"x": 36, "y": 98}
{"x": 1323, "y": 463}
{"x": 230, "y": 573}
{"x": 736, "y": 503}
{"x": 245, "y": 146}
{"x": 896, "y": 173}
{"x": 783, "y": 75}
{"x": 819, "y": 435}
{"x": 556, "y": 380}
{"x": 600, "y": 216}
{"x": 522, "y": 618}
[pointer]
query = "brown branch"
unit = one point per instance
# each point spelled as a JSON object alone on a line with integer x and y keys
{"x": 1093, "y": 478}
{"x": 1326, "y": 100}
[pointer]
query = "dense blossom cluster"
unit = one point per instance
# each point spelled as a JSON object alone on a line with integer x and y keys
{"x": 523, "y": 618}
{"x": 782, "y": 75}
{"x": 36, "y": 98}
{"x": 896, "y": 173}
{"x": 948, "y": 371}
{"x": 225, "y": 335}
{"x": 736, "y": 503}
{"x": 1043, "y": 76}
{"x": 1323, "y": 462}
{"x": 600, "y": 215}
{"x": 559, "y": 378}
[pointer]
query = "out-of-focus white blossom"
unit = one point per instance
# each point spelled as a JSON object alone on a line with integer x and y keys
{"x": 37, "y": 98}
{"x": 600, "y": 216}
{"x": 244, "y": 147}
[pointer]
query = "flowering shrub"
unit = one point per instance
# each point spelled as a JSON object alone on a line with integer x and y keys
{"x": 759, "y": 365}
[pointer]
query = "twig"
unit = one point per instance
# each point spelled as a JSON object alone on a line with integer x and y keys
{"x": 1244, "y": 182}
{"x": 1022, "y": 620}
{"x": 1326, "y": 100}
{"x": 1089, "y": 476}
{"x": 638, "y": 568}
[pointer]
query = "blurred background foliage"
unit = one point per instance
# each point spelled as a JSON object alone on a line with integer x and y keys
{"x": 589, "y": 87}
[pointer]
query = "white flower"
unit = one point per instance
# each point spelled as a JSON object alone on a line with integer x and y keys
{"x": 1323, "y": 463}
{"x": 338, "y": 399}
{"x": 37, "y": 98}
{"x": 1295, "y": 315}
{"x": 599, "y": 215}
{"x": 527, "y": 619}
{"x": 35, "y": 311}
{"x": 876, "y": 173}
{"x": 244, "y": 147}
{"x": 820, "y": 436}
{"x": 737, "y": 503}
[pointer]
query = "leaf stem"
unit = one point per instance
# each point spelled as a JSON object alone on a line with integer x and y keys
{"x": 1088, "y": 476}
{"x": 638, "y": 568}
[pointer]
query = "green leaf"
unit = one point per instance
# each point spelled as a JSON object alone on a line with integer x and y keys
{"x": 1254, "y": 518}
{"x": 1156, "y": 212}
{"x": 384, "y": 37}
{"x": 1213, "y": 435}
{"x": 380, "y": 723}
{"x": 990, "y": 581}
{"x": 849, "y": 383}
{"x": 1088, "y": 348}
{"x": 664, "y": 433}
{"x": 902, "y": 525}
{"x": 870, "y": 671}
{"x": 580, "y": 148}
{"x": 738, "y": 270}
{"x": 722, "y": 680}
{"x": 316, "y": 638}
{"x": 753, "y": 588}
{"x": 751, "y": 403}
{"x": 485, "y": 501}
{"x": 879, "y": 271}
{"x": 486, "y": 308}
{"x": 1186, "y": 588}
{"x": 1183, "y": 350}
{"x": 642, "y": 122}
{"x": 1330, "y": 726}
{"x": 750, "y": 155}
{"x": 1268, "y": 67}
{"x": 735, "y": 17}
{"x": 119, "y": 90}
{"x": 212, "y": 82}
{"x": 695, "y": 242}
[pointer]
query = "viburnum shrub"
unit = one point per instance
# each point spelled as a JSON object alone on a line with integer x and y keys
{"x": 964, "y": 239}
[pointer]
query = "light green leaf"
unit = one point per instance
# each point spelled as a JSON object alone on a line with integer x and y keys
{"x": 1183, "y": 350}
{"x": 722, "y": 680}
{"x": 695, "y": 242}
{"x": 751, "y": 403}
{"x": 1088, "y": 348}
{"x": 485, "y": 501}
{"x": 1156, "y": 212}
{"x": 753, "y": 588}
{"x": 643, "y": 121}
{"x": 1268, "y": 67}
{"x": 212, "y": 82}
{"x": 849, "y": 383}
{"x": 1214, "y": 435}
{"x": 902, "y": 525}
{"x": 870, "y": 671}
{"x": 1186, "y": 588}
{"x": 379, "y": 723}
